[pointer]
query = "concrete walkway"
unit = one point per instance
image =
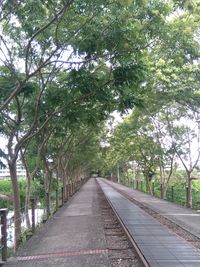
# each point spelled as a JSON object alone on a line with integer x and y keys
{"x": 73, "y": 237}
{"x": 186, "y": 218}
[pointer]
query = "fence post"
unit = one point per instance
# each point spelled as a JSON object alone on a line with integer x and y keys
{"x": 141, "y": 186}
{"x": 137, "y": 184}
{"x": 67, "y": 193}
{"x": 3, "y": 221}
{"x": 33, "y": 214}
{"x": 62, "y": 195}
{"x": 153, "y": 188}
{"x": 70, "y": 189}
{"x": 172, "y": 193}
{"x": 187, "y": 197}
{"x": 48, "y": 204}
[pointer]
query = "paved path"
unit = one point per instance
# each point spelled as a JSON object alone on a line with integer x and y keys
{"x": 73, "y": 237}
{"x": 187, "y": 218}
{"x": 160, "y": 247}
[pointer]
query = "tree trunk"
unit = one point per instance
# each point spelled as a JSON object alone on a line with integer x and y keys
{"x": 64, "y": 183}
{"x": 147, "y": 185}
{"x": 118, "y": 177}
{"x": 167, "y": 179}
{"x": 28, "y": 191}
{"x": 68, "y": 188}
{"x": 128, "y": 178}
{"x": 189, "y": 184}
{"x": 47, "y": 189}
{"x": 16, "y": 203}
{"x": 165, "y": 186}
{"x": 57, "y": 188}
{"x": 48, "y": 201}
{"x": 27, "y": 200}
{"x": 48, "y": 180}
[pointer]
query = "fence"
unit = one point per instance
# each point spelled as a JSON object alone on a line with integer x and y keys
{"x": 176, "y": 194}
{"x": 36, "y": 217}
{"x": 3, "y": 214}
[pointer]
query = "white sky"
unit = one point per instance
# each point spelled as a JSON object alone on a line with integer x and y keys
{"x": 2, "y": 142}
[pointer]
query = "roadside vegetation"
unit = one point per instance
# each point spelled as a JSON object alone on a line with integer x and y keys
{"x": 6, "y": 190}
{"x": 176, "y": 190}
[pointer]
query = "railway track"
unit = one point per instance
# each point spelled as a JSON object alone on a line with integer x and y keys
{"x": 170, "y": 245}
{"x": 127, "y": 253}
{"x": 172, "y": 226}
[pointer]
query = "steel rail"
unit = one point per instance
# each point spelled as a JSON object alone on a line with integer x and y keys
{"x": 122, "y": 192}
{"x": 141, "y": 257}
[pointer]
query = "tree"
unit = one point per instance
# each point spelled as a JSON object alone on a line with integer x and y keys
{"x": 186, "y": 144}
{"x": 132, "y": 141}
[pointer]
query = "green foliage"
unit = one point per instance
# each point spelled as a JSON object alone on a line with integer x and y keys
{"x": 38, "y": 189}
{"x": 5, "y": 186}
{"x": 177, "y": 194}
{"x": 180, "y": 192}
{"x": 196, "y": 185}
{"x": 25, "y": 234}
{"x": 6, "y": 189}
{"x": 7, "y": 83}
{"x": 22, "y": 183}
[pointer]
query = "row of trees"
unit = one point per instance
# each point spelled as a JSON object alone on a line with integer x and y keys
{"x": 66, "y": 65}
{"x": 165, "y": 129}
{"x": 153, "y": 144}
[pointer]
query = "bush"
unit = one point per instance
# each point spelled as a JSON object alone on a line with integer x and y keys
{"x": 6, "y": 188}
